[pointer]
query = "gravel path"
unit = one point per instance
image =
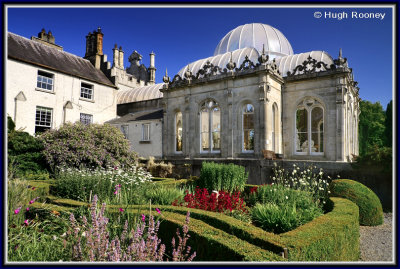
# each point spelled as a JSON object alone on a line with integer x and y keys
{"x": 376, "y": 241}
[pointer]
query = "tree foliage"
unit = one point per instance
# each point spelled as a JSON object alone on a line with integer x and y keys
{"x": 388, "y": 124}
{"x": 371, "y": 126}
{"x": 94, "y": 145}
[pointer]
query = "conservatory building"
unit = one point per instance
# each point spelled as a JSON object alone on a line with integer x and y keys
{"x": 255, "y": 98}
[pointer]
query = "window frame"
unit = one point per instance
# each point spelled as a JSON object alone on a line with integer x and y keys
{"x": 126, "y": 134}
{"x": 143, "y": 132}
{"x": 309, "y": 109}
{"x": 210, "y": 111}
{"x": 85, "y": 115}
{"x": 46, "y": 110}
{"x": 176, "y": 133}
{"x": 91, "y": 88}
{"x": 47, "y": 75}
{"x": 254, "y": 130}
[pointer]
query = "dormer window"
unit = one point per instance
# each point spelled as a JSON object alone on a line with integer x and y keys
{"x": 86, "y": 91}
{"x": 45, "y": 81}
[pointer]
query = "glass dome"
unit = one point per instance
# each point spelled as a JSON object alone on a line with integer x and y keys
{"x": 255, "y": 35}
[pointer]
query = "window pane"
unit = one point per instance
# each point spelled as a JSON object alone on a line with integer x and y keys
{"x": 178, "y": 131}
{"x": 317, "y": 129}
{"x": 248, "y": 139}
{"x": 301, "y": 131}
{"x": 205, "y": 133}
{"x": 216, "y": 128}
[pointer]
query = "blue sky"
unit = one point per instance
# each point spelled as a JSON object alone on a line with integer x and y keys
{"x": 179, "y": 36}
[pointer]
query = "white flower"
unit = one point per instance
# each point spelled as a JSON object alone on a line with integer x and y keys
{"x": 286, "y": 197}
{"x": 329, "y": 191}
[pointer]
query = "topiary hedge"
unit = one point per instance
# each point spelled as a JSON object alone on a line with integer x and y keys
{"x": 370, "y": 207}
{"x": 331, "y": 237}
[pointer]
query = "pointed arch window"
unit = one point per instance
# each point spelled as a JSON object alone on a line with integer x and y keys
{"x": 178, "y": 132}
{"x": 309, "y": 128}
{"x": 248, "y": 128}
{"x": 210, "y": 126}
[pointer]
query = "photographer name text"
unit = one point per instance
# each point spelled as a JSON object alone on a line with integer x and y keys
{"x": 349, "y": 15}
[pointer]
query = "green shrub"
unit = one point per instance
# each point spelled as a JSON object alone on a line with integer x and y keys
{"x": 36, "y": 176}
{"x": 161, "y": 195}
{"x": 378, "y": 158}
{"x": 370, "y": 206}
{"x": 280, "y": 209}
{"x": 25, "y": 154}
{"x": 226, "y": 177}
{"x": 94, "y": 145}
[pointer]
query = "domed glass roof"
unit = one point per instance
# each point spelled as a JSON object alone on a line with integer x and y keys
{"x": 255, "y": 35}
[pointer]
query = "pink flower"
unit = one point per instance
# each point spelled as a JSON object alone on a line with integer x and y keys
{"x": 121, "y": 209}
{"x": 33, "y": 188}
{"x": 27, "y": 209}
{"x": 158, "y": 211}
{"x": 26, "y": 222}
{"x": 143, "y": 217}
{"x": 116, "y": 192}
{"x": 16, "y": 211}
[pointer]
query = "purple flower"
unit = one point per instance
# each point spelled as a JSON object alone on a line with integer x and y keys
{"x": 143, "y": 217}
{"x": 158, "y": 211}
{"x": 27, "y": 209}
{"x": 121, "y": 209}
{"x": 26, "y": 222}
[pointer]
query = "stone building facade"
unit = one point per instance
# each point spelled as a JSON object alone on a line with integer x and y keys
{"x": 254, "y": 96}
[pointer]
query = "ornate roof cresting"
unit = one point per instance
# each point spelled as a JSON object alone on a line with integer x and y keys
{"x": 310, "y": 66}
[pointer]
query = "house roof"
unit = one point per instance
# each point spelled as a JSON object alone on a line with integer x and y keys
{"x": 139, "y": 116}
{"x": 36, "y": 53}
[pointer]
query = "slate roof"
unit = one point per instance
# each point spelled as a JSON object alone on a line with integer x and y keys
{"x": 36, "y": 53}
{"x": 139, "y": 116}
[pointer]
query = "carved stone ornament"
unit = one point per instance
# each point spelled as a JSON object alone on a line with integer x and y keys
{"x": 310, "y": 66}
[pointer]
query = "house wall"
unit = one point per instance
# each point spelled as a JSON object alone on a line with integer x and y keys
{"x": 144, "y": 148}
{"x": 22, "y": 77}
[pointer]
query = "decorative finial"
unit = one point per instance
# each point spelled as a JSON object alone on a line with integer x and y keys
{"x": 340, "y": 53}
{"x": 263, "y": 51}
{"x": 115, "y": 46}
{"x": 188, "y": 74}
{"x": 263, "y": 58}
{"x": 231, "y": 65}
{"x": 166, "y": 77}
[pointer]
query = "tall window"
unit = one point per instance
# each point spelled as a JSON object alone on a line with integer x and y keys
{"x": 275, "y": 128}
{"x": 86, "y": 91}
{"x": 146, "y": 132}
{"x": 45, "y": 81}
{"x": 43, "y": 119}
{"x": 309, "y": 127}
{"x": 248, "y": 128}
{"x": 86, "y": 118}
{"x": 210, "y": 122}
{"x": 125, "y": 130}
{"x": 178, "y": 132}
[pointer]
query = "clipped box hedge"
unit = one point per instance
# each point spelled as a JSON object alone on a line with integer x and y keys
{"x": 331, "y": 237}
{"x": 370, "y": 207}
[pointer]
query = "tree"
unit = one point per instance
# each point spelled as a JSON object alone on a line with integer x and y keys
{"x": 388, "y": 124}
{"x": 371, "y": 126}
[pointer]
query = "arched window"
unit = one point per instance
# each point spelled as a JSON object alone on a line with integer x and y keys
{"x": 178, "y": 132}
{"x": 309, "y": 127}
{"x": 248, "y": 128}
{"x": 210, "y": 126}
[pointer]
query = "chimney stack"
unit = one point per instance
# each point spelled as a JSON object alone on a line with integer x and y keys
{"x": 94, "y": 47}
{"x": 121, "y": 57}
{"x": 152, "y": 69}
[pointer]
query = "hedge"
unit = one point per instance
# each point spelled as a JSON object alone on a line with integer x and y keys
{"x": 331, "y": 237}
{"x": 210, "y": 243}
{"x": 370, "y": 207}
